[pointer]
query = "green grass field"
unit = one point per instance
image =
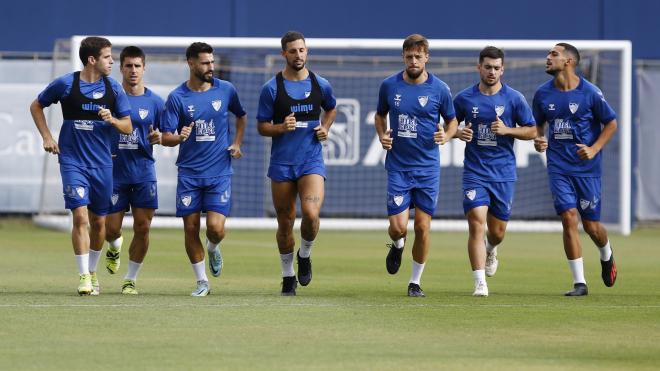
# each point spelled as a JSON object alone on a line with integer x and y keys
{"x": 353, "y": 316}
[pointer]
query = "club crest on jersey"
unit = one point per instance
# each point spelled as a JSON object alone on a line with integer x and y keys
{"x": 551, "y": 107}
{"x": 80, "y": 191}
{"x": 307, "y": 94}
{"x": 471, "y": 194}
{"x": 423, "y": 100}
{"x": 397, "y": 100}
{"x": 191, "y": 110}
{"x": 97, "y": 95}
{"x": 499, "y": 110}
{"x": 398, "y": 200}
{"x": 573, "y": 107}
{"x": 584, "y": 203}
{"x": 143, "y": 113}
{"x": 216, "y": 104}
{"x": 185, "y": 200}
{"x": 114, "y": 198}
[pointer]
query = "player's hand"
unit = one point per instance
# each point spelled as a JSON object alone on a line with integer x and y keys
{"x": 466, "y": 133}
{"x": 321, "y": 133}
{"x": 235, "y": 151}
{"x": 50, "y": 146}
{"x": 155, "y": 136}
{"x": 440, "y": 137}
{"x": 105, "y": 115}
{"x": 185, "y": 132}
{"x": 540, "y": 144}
{"x": 386, "y": 140}
{"x": 289, "y": 123}
{"x": 585, "y": 152}
{"x": 499, "y": 127}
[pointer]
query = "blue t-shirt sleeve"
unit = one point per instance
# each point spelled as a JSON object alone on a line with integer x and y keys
{"x": 170, "y": 118}
{"x": 159, "y": 106}
{"x": 56, "y": 90}
{"x": 537, "y": 109}
{"x": 446, "y": 104}
{"x": 266, "y": 110}
{"x": 383, "y": 107}
{"x": 602, "y": 110}
{"x": 523, "y": 114}
{"x": 122, "y": 105}
{"x": 460, "y": 116}
{"x": 235, "y": 105}
{"x": 329, "y": 100}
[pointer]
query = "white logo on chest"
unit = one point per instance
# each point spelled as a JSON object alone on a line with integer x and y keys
{"x": 573, "y": 107}
{"x": 143, "y": 113}
{"x": 499, "y": 110}
{"x": 216, "y": 104}
{"x": 423, "y": 100}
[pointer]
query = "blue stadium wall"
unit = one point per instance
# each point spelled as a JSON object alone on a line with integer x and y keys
{"x": 34, "y": 25}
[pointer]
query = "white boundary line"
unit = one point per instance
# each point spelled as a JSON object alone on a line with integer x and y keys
{"x": 343, "y": 305}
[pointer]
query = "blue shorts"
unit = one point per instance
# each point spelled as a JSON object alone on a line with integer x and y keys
{"x": 582, "y": 193}
{"x": 203, "y": 194}
{"x": 498, "y": 196}
{"x": 291, "y": 173}
{"x": 139, "y": 195}
{"x": 410, "y": 189}
{"x": 91, "y": 187}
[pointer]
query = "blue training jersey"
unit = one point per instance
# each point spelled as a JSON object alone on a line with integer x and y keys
{"x": 301, "y": 145}
{"x": 134, "y": 160}
{"x": 573, "y": 116}
{"x": 490, "y": 157}
{"x": 86, "y": 143}
{"x": 414, "y": 112}
{"x": 204, "y": 154}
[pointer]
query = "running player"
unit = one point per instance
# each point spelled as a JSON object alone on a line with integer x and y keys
{"x": 290, "y": 112}
{"x": 198, "y": 110}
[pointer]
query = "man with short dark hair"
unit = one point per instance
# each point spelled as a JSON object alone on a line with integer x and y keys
{"x": 134, "y": 173}
{"x": 290, "y": 107}
{"x": 416, "y": 101}
{"x": 198, "y": 109}
{"x": 494, "y": 114}
{"x": 581, "y": 123}
{"x": 94, "y": 106}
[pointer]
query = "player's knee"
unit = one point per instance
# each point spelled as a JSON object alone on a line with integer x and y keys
{"x": 422, "y": 228}
{"x": 215, "y": 232}
{"x": 592, "y": 228}
{"x": 191, "y": 228}
{"x": 141, "y": 227}
{"x": 569, "y": 218}
{"x": 397, "y": 231}
{"x": 80, "y": 221}
{"x": 496, "y": 235}
{"x": 476, "y": 226}
{"x": 97, "y": 224}
{"x": 112, "y": 233}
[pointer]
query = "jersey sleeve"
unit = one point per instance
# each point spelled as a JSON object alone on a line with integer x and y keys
{"x": 55, "y": 91}
{"x": 458, "y": 103}
{"x": 170, "y": 118}
{"x": 266, "y": 108}
{"x": 446, "y": 104}
{"x": 159, "y": 106}
{"x": 602, "y": 110}
{"x": 383, "y": 106}
{"x": 122, "y": 105}
{"x": 235, "y": 105}
{"x": 329, "y": 101}
{"x": 523, "y": 114}
{"x": 537, "y": 109}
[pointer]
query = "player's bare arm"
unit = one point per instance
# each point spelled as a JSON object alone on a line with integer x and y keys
{"x": 155, "y": 136}
{"x": 235, "y": 148}
{"x": 589, "y": 152}
{"x": 540, "y": 142}
{"x": 49, "y": 144}
{"x": 173, "y": 139}
{"x": 465, "y": 134}
{"x": 520, "y": 132}
{"x": 324, "y": 127}
{"x": 448, "y": 131}
{"x": 122, "y": 124}
{"x": 384, "y": 134}
{"x": 269, "y": 129}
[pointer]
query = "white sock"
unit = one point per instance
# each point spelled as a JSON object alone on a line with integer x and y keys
{"x": 489, "y": 247}
{"x": 82, "y": 261}
{"x": 94, "y": 257}
{"x": 417, "y": 270}
{"x": 577, "y": 269}
{"x": 116, "y": 244}
{"x": 605, "y": 252}
{"x": 479, "y": 276}
{"x": 286, "y": 260}
{"x": 133, "y": 269}
{"x": 210, "y": 246}
{"x": 305, "y": 248}
{"x": 399, "y": 243}
{"x": 200, "y": 271}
